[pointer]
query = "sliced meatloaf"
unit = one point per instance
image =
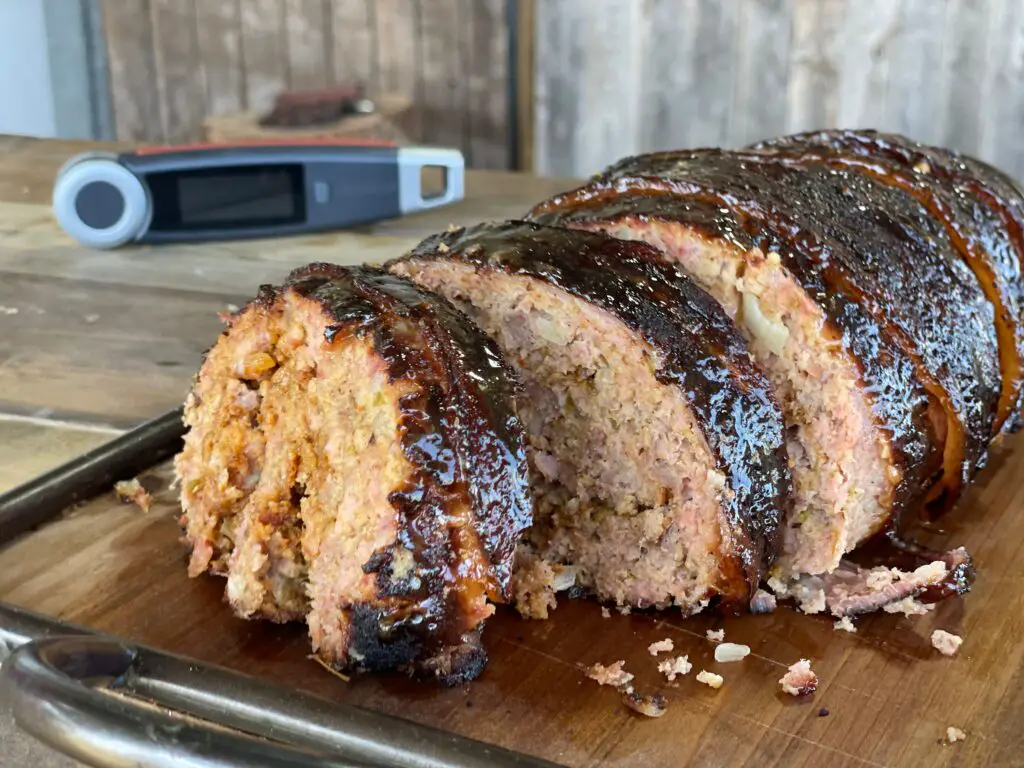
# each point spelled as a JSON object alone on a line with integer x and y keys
{"x": 655, "y": 444}
{"x": 353, "y": 457}
{"x": 981, "y": 210}
{"x": 878, "y": 339}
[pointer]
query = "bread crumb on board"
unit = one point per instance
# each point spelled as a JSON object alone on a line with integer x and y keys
{"x": 954, "y": 734}
{"x": 845, "y": 624}
{"x": 716, "y": 635}
{"x": 662, "y": 646}
{"x": 673, "y": 668}
{"x": 710, "y": 679}
{"x": 605, "y": 613}
{"x": 131, "y": 491}
{"x": 613, "y": 674}
{"x": 945, "y": 642}
{"x": 727, "y": 652}
{"x": 909, "y": 606}
{"x": 811, "y": 601}
{"x": 800, "y": 679}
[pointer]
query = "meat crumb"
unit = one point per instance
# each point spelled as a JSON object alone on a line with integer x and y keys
{"x": 534, "y": 592}
{"x": 662, "y": 646}
{"x": 908, "y": 606}
{"x": 799, "y": 679}
{"x": 727, "y": 652}
{"x": 954, "y": 734}
{"x": 613, "y": 674}
{"x": 650, "y": 706}
{"x": 131, "y": 491}
{"x": 880, "y": 578}
{"x": 716, "y": 635}
{"x": 845, "y": 624}
{"x": 812, "y": 600}
{"x": 945, "y": 642}
{"x": 710, "y": 679}
{"x": 672, "y": 668}
{"x": 605, "y": 613}
{"x": 763, "y": 602}
{"x": 779, "y": 586}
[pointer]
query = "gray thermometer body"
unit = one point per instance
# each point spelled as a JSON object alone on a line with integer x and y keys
{"x": 222, "y": 192}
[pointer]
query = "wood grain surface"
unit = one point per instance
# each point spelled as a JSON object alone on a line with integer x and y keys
{"x": 112, "y": 338}
{"x": 665, "y": 74}
{"x": 173, "y": 63}
{"x": 889, "y": 696}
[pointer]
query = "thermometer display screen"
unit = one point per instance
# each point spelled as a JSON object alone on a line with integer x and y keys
{"x": 255, "y": 196}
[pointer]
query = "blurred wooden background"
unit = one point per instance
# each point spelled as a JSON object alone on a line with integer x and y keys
{"x": 590, "y": 80}
{"x": 173, "y": 62}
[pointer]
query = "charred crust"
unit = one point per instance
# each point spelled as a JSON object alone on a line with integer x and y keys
{"x": 457, "y": 664}
{"x": 372, "y": 648}
{"x": 266, "y": 296}
{"x": 375, "y": 647}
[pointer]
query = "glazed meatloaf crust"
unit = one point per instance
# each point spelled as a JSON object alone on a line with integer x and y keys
{"x": 981, "y": 209}
{"x": 655, "y": 444}
{"x": 353, "y": 458}
{"x": 876, "y": 334}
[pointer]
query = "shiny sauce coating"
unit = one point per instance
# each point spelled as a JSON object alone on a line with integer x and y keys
{"x": 721, "y": 196}
{"x": 981, "y": 210}
{"x": 700, "y": 350}
{"x": 467, "y": 503}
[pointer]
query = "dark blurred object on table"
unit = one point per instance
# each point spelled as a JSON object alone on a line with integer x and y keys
{"x": 298, "y": 109}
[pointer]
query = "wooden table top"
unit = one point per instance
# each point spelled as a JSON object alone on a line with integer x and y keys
{"x": 114, "y": 337}
{"x": 105, "y": 339}
{"x": 93, "y": 342}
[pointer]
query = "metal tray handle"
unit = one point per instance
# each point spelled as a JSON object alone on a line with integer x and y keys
{"x": 44, "y": 683}
{"x": 111, "y": 705}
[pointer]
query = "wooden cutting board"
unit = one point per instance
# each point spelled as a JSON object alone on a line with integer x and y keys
{"x": 114, "y": 338}
{"x": 889, "y": 696}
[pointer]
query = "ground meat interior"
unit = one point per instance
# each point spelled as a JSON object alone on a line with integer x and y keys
{"x": 842, "y": 466}
{"x": 298, "y": 423}
{"x": 627, "y": 497}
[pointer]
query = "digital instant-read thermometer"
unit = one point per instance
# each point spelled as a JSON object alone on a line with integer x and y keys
{"x": 265, "y": 189}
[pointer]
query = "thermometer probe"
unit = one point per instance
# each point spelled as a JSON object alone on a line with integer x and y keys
{"x": 230, "y": 191}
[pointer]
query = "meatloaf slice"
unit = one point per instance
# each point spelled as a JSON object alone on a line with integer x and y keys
{"x": 980, "y": 209}
{"x": 860, "y": 426}
{"x": 656, "y": 448}
{"x": 354, "y": 458}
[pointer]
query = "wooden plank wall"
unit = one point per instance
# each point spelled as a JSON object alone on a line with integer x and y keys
{"x": 613, "y": 77}
{"x": 173, "y": 62}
